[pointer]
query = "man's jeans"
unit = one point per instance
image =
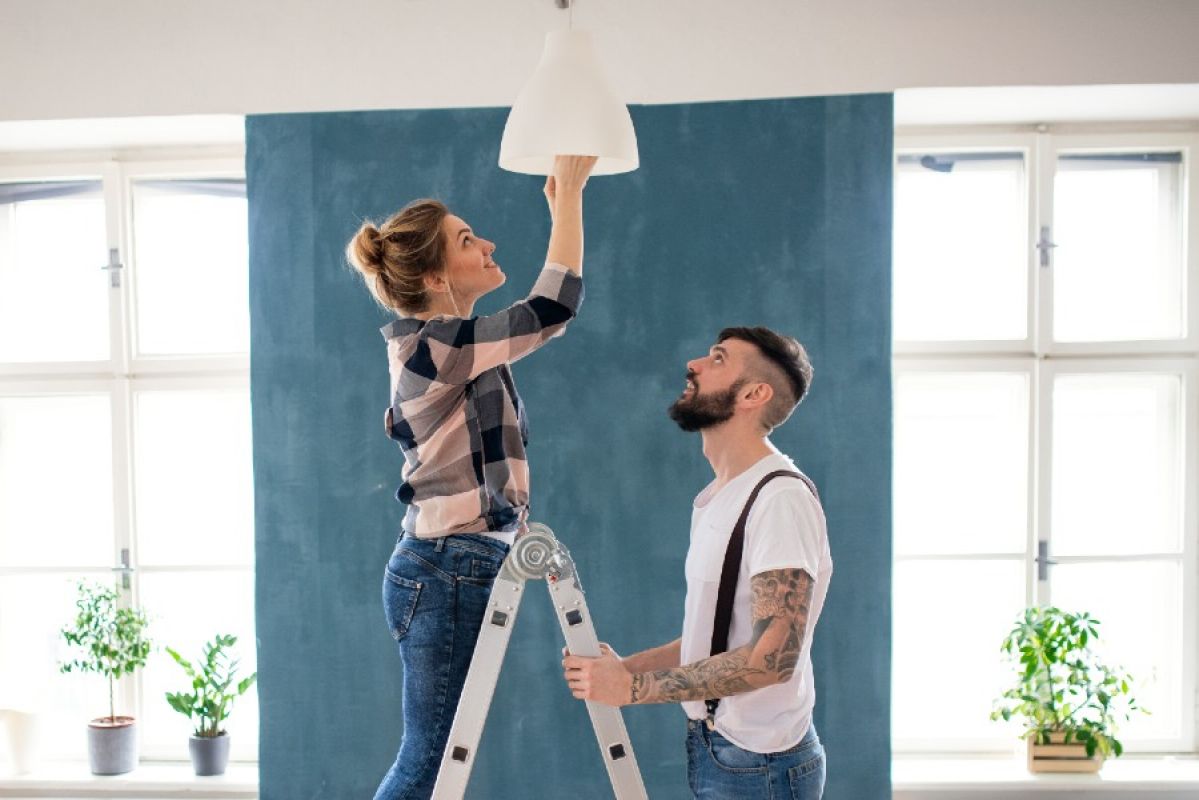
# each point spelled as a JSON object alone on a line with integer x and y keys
{"x": 434, "y": 596}
{"x": 717, "y": 769}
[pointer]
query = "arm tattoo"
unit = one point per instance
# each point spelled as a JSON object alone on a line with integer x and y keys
{"x": 781, "y": 601}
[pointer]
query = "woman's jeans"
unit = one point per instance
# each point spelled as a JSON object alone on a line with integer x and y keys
{"x": 434, "y": 596}
{"x": 717, "y": 769}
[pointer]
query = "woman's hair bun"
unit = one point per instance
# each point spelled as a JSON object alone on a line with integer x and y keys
{"x": 365, "y": 252}
{"x": 394, "y": 257}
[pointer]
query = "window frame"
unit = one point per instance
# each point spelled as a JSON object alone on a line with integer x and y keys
{"x": 1045, "y": 359}
{"x": 1049, "y": 147}
{"x": 1025, "y": 144}
{"x": 125, "y": 372}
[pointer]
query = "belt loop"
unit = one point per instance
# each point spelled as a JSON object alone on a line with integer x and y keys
{"x": 440, "y": 544}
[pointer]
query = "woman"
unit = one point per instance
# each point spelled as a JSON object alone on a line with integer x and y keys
{"x": 461, "y": 425}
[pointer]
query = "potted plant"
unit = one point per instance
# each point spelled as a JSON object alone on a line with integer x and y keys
{"x": 111, "y": 641}
{"x": 212, "y": 693}
{"x": 1069, "y": 700}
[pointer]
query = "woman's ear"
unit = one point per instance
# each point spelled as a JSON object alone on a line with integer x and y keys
{"x": 436, "y": 282}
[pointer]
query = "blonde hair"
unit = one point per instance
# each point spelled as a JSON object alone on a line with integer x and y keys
{"x": 394, "y": 258}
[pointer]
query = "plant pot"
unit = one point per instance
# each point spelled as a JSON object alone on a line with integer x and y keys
{"x": 112, "y": 745}
{"x": 1059, "y": 757}
{"x": 22, "y": 740}
{"x": 210, "y": 754}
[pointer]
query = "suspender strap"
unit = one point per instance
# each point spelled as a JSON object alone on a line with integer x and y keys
{"x": 730, "y": 571}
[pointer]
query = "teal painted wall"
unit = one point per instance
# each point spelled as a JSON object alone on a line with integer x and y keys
{"x": 761, "y": 212}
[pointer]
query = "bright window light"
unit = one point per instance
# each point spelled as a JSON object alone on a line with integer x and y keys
{"x": 53, "y": 300}
{"x": 961, "y": 257}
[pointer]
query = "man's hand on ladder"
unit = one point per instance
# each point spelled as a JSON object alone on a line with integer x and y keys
{"x": 601, "y": 680}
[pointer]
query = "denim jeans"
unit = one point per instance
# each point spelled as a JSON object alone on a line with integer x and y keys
{"x": 717, "y": 769}
{"x": 434, "y": 596}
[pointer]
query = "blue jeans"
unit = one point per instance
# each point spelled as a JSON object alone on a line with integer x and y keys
{"x": 434, "y": 596}
{"x": 717, "y": 769}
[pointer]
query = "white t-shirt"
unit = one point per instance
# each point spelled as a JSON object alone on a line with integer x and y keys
{"x": 785, "y": 530}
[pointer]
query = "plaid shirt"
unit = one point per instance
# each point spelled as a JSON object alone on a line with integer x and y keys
{"x": 456, "y": 413}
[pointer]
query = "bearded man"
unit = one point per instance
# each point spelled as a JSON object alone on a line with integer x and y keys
{"x": 758, "y": 570}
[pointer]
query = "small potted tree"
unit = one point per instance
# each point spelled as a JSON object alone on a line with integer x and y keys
{"x": 111, "y": 641}
{"x": 1068, "y": 699}
{"x": 209, "y": 701}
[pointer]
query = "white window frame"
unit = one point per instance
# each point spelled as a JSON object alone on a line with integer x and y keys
{"x": 1026, "y": 145}
{"x": 1048, "y": 148}
{"x": 1042, "y": 359}
{"x": 125, "y": 371}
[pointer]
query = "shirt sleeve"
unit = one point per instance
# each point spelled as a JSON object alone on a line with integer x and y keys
{"x": 455, "y": 350}
{"x": 785, "y": 530}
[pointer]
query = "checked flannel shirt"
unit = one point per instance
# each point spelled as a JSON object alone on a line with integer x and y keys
{"x": 457, "y": 416}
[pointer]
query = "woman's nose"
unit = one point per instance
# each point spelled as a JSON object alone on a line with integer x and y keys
{"x": 490, "y": 246}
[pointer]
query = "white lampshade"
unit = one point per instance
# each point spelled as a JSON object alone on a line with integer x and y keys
{"x": 568, "y": 108}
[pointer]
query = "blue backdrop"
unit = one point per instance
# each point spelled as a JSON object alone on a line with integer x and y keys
{"x": 761, "y": 212}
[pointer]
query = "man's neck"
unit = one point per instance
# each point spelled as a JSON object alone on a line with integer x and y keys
{"x": 732, "y": 448}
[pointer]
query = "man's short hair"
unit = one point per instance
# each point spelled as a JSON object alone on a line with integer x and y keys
{"x": 785, "y": 366}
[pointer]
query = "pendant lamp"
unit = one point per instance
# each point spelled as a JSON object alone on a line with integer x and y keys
{"x": 568, "y": 107}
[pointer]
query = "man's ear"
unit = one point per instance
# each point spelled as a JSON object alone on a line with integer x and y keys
{"x": 756, "y": 395}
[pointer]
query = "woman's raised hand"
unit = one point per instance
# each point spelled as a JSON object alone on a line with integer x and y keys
{"x": 564, "y": 192}
{"x": 570, "y": 174}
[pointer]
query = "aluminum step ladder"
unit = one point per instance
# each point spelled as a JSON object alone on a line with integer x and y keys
{"x": 535, "y": 555}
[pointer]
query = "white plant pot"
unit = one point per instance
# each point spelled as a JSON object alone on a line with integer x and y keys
{"x": 23, "y": 745}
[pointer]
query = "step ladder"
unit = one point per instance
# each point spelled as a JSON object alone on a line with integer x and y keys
{"x": 535, "y": 555}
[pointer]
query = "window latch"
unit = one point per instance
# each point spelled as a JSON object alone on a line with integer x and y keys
{"x": 1045, "y": 246}
{"x": 1044, "y": 562}
{"x": 125, "y": 569}
{"x": 114, "y": 267}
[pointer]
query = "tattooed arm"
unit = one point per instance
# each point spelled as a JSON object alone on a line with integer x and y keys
{"x": 655, "y": 658}
{"x": 780, "y": 605}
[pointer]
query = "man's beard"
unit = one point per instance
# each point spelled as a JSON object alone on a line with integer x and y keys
{"x": 698, "y": 412}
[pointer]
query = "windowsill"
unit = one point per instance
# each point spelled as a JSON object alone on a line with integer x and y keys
{"x": 156, "y": 779}
{"x": 1161, "y": 777}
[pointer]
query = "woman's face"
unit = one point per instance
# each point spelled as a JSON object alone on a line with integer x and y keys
{"x": 469, "y": 268}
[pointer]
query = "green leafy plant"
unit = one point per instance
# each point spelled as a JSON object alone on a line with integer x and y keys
{"x": 109, "y": 640}
{"x": 213, "y": 690}
{"x": 1061, "y": 686}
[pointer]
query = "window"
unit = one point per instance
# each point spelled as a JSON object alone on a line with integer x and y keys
{"x": 1046, "y": 367}
{"x": 124, "y": 430}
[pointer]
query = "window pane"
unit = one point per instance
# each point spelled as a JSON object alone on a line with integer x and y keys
{"x": 1140, "y": 607}
{"x": 961, "y": 463}
{"x": 193, "y": 480}
{"x": 56, "y": 481}
{"x": 54, "y": 302}
{"x": 961, "y": 248}
{"x": 189, "y": 609}
{"x": 1118, "y": 268}
{"x": 191, "y": 262}
{"x": 33, "y": 609}
{"x": 1117, "y": 464}
{"x": 947, "y": 670}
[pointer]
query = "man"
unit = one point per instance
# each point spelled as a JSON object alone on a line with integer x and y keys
{"x": 754, "y": 738}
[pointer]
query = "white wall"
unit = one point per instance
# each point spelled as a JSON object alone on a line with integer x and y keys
{"x": 67, "y": 58}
